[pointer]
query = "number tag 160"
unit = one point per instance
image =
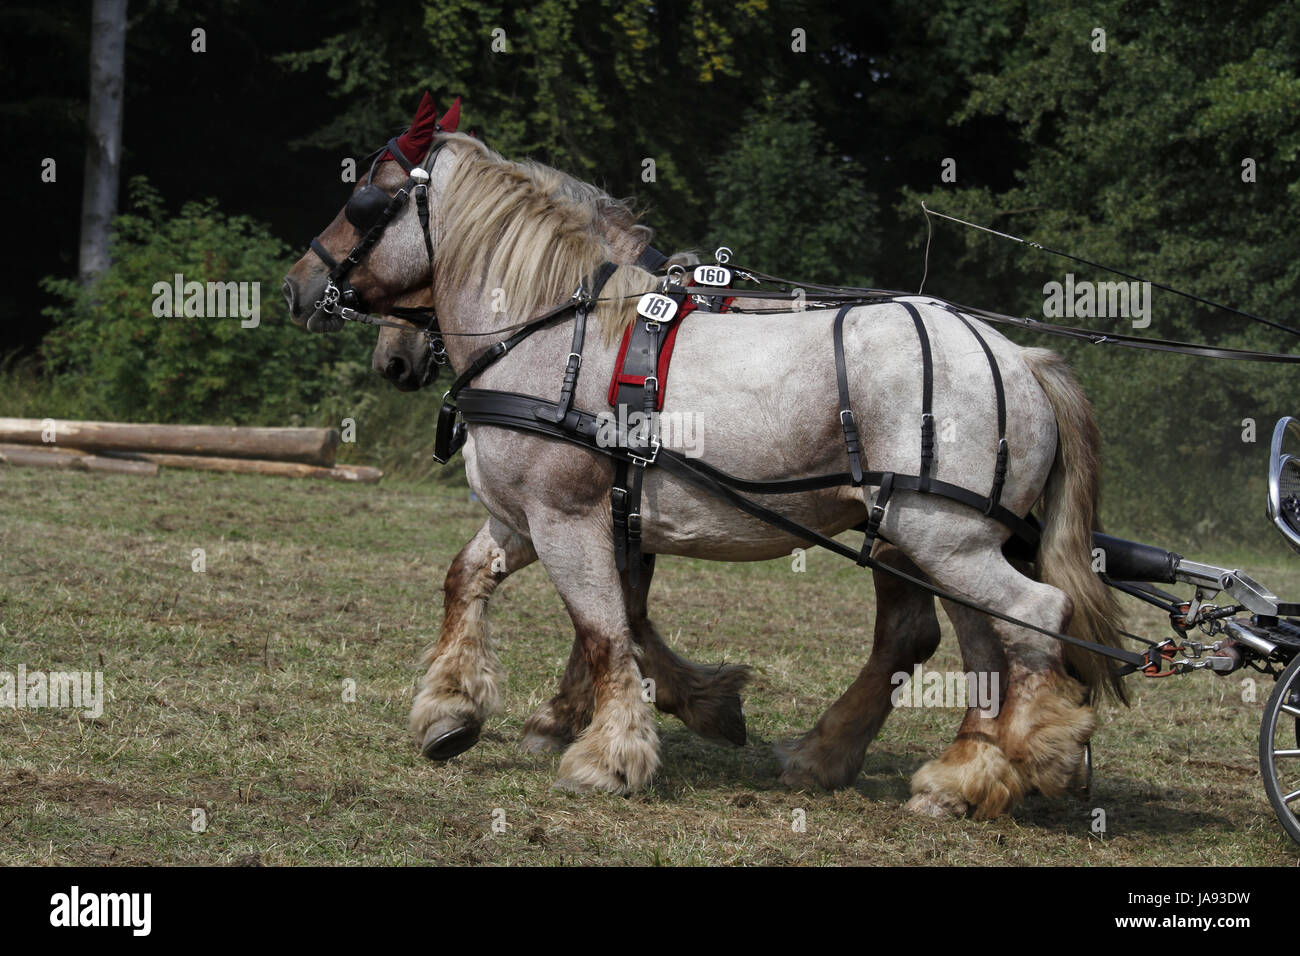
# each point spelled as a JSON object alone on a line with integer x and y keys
{"x": 713, "y": 275}
{"x": 656, "y": 307}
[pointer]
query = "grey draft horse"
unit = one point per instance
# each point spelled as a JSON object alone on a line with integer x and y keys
{"x": 770, "y": 407}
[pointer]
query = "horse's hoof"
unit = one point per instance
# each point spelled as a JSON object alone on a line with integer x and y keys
{"x": 537, "y": 743}
{"x": 569, "y": 785}
{"x": 931, "y": 805}
{"x": 731, "y": 722}
{"x": 449, "y": 738}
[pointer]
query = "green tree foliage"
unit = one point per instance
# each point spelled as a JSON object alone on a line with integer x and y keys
{"x": 1134, "y": 159}
{"x": 787, "y": 203}
{"x": 110, "y": 356}
{"x": 593, "y": 87}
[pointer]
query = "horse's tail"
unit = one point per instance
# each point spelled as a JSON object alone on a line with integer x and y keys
{"x": 1070, "y": 501}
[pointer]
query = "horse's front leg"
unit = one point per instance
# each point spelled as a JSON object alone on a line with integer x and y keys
{"x": 705, "y": 697}
{"x": 461, "y": 686}
{"x": 619, "y": 749}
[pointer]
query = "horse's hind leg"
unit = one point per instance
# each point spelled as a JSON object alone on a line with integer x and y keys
{"x": 461, "y": 688}
{"x": 1042, "y": 719}
{"x": 557, "y": 723}
{"x": 705, "y": 697}
{"x": 906, "y": 634}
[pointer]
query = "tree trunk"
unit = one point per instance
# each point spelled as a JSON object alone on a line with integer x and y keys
{"x": 313, "y": 446}
{"x": 103, "y": 134}
{"x": 250, "y": 466}
{"x": 32, "y": 457}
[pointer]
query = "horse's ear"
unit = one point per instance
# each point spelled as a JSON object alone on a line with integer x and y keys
{"x": 415, "y": 141}
{"x": 451, "y": 119}
{"x": 426, "y": 113}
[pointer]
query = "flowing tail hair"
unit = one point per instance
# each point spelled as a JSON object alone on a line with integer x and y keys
{"x": 1070, "y": 506}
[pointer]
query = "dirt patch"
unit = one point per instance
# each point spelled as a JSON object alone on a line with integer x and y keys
{"x": 21, "y": 788}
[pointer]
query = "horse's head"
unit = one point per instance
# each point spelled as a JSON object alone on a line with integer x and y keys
{"x": 376, "y": 254}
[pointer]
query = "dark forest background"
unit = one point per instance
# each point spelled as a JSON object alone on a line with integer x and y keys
{"x": 808, "y": 163}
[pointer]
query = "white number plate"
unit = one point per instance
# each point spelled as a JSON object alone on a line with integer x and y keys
{"x": 712, "y": 275}
{"x": 656, "y": 307}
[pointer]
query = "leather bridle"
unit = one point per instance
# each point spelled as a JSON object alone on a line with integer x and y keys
{"x": 370, "y": 210}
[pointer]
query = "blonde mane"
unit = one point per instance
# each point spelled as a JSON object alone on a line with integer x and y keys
{"x": 534, "y": 233}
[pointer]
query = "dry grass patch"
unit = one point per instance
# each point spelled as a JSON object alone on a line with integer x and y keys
{"x": 225, "y": 694}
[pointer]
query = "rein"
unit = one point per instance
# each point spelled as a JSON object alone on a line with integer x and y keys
{"x": 1119, "y": 272}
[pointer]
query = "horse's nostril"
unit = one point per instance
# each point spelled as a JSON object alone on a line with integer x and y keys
{"x": 396, "y": 369}
{"x": 289, "y": 295}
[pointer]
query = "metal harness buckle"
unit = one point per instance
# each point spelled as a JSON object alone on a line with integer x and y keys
{"x": 654, "y": 453}
{"x": 581, "y": 297}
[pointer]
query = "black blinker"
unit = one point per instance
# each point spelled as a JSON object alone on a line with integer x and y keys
{"x": 366, "y": 206}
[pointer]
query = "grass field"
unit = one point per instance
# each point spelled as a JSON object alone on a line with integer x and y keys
{"x": 224, "y": 693}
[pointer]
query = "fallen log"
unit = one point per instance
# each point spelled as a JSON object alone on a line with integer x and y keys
{"x": 288, "y": 469}
{"x": 312, "y": 446}
{"x": 33, "y": 457}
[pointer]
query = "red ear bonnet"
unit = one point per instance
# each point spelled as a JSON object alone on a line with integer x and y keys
{"x": 415, "y": 142}
{"x": 450, "y": 119}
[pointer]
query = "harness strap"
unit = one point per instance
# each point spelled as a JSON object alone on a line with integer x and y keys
{"x": 574, "y": 362}
{"x": 636, "y": 385}
{"x": 618, "y": 509}
{"x": 1000, "y": 395}
{"x": 927, "y": 398}
{"x": 330, "y": 262}
{"x": 422, "y": 210}
{"x": 527, "y": 413}
{"x": 651, "y": 259}
{"x": 851, "y": 441}
{"x": 872, "y": 528}
{"x": 397, "y": 154}
{"x": 451, "y": 432}
{"x": 633, "y": 553}
{"x": 512, "y": 409}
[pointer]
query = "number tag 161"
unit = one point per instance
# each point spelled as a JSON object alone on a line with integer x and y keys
{"x": 656, "y": 307}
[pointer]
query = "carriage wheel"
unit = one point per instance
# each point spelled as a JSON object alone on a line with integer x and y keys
{"x": 1279, "y": 749}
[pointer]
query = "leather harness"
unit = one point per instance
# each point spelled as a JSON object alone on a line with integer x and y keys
{"x": 637, "y": 386}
